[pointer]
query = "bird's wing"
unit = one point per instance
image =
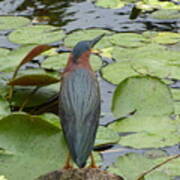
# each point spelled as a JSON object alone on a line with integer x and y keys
{"x": 79, "y": 111}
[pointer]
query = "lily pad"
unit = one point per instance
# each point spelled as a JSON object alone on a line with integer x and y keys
{"x": 164, "y": 14}
{"x": 12, "y": 22}
{"x": 117, "y": 72}
{"x": 113, "y": 3}
{"x": 106, "y": 136}
{"x": 144, "y": 124}
{"x": 4, "y": 51}
{"x": 10, "y": 61}
{"x": 145, "y": 95}
{"x": 163, "y": 4}
{"x": 59, "y": 62}
{"x": 128, "y": 40}
{"x": 148, "y": 132}
{"x": 133, "y": 163}
{"x": 72, "y": 39}
{"x": 151, "y": 140}
{"x": 51, "y": 118}
{"x": 34, "y": 77}
{"x": 4, "y": 107}
{"x": 37, "y": 34}
{"x": 176, "y": 94}
{"x": 42, "y": 95}
{"x": 154, "y": 60}
{"x": 177, "y": 107}
{"x": 167, "y": 38}
{"x": 36, "y": 147}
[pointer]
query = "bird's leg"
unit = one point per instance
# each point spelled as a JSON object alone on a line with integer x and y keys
{"x": 68, "y": 164}
{"x": 93, "y": 162}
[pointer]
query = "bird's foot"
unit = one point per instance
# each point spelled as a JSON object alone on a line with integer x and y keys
{"x": 68, "y": 166}
{"x": 93, "y": 166}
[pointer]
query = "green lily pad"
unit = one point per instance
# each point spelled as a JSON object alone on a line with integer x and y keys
{"x": 151, "y": 140}
{"x": 59, "y": 62}
{"x": 113, "y": 3}
{"x": 163, "y": 5}
{"x": 128, "y": 40}
{"x": 4, "y": 107}
{"x": 4, "y": 51}
{"x": 145, "y": 95}
{"x": 37, "y": 34}
{"x": 167, "y": 38}
{"x": 72, "y": 39}
{"x": 175, "y": 93}
{"x": 50, "y": 118}
{"x": 164, "y": 14}
{"x": 154, "y": 60}
{"x": 36, "y": 147}
{"x": 12, "y": 22}
{"x": 150, "y": 52}
{"x": 42, "y": 95}
{"x": 106, "y": 136}
{"x": 4, "y": 89}
{"x": 144, "y": 124}
{"x": 117, "y": 72}
{"x": 137, "y": 164}
{"x": 177, "y": 107}
{"x": 10, "y": 61}
{"x": 34, "y": 77}
{"x": 149, "y": 5}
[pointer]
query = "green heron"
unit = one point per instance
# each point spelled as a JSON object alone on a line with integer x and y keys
{"x": 79, "y": 103}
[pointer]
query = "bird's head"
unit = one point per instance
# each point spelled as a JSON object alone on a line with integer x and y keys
{"x": 84, "y": 47}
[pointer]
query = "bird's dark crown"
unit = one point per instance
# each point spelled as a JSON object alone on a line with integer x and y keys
{"x": 80, "y": 48}
{"x": 84, "y": 46}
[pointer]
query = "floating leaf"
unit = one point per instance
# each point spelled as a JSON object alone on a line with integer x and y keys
{"x": 59, "y": 62}
{"x": 144, "y": 124}
{"x": 10, "y": 61}
{"x": 37, "y": 147}
{"x": 42, "y": 95}
{"x": 4, "y": 107}
{"x": 177, "y": 107}
{"x": 138, "y": 164}
{"x": 167, "y": 38}
{"x": 4, "y": 89}
{"x": 37, "y": 34}
{"x": 106, "y": 136}
{"x": 151, "y": 140}
{"x": 51, "y": 118}
{"x": 145, "y": 95}
{"x": 12, "y": 22}
{"x": 36, "y": 77}
{"x": 176, "y": 93}
{"x": 128, "y": 40}
{"x": 117, "y": 72}
{"x": 4, "y": 51}
{"x": 154, "y": 60}
{"x": 164, "y": 14}
{"x": 72, "y": 39}
{"x": 113, "y": 3}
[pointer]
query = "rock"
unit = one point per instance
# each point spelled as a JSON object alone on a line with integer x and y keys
{"x": 80, "y": 174}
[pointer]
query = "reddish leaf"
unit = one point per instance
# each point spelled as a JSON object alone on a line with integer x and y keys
{"x": 34, "y": 80}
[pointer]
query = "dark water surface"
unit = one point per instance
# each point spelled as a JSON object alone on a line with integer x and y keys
{"x": 73, "y": 15}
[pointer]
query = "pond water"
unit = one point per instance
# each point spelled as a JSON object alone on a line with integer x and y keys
{"x": 74, "y": 15}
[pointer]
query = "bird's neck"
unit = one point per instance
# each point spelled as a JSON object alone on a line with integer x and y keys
{"x": 81, "y": 62}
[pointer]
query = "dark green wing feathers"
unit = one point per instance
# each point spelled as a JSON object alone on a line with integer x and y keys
{"x": 79, "y": 107}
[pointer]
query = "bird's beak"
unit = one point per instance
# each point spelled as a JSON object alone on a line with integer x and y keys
{"x": 96, "y": 40}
